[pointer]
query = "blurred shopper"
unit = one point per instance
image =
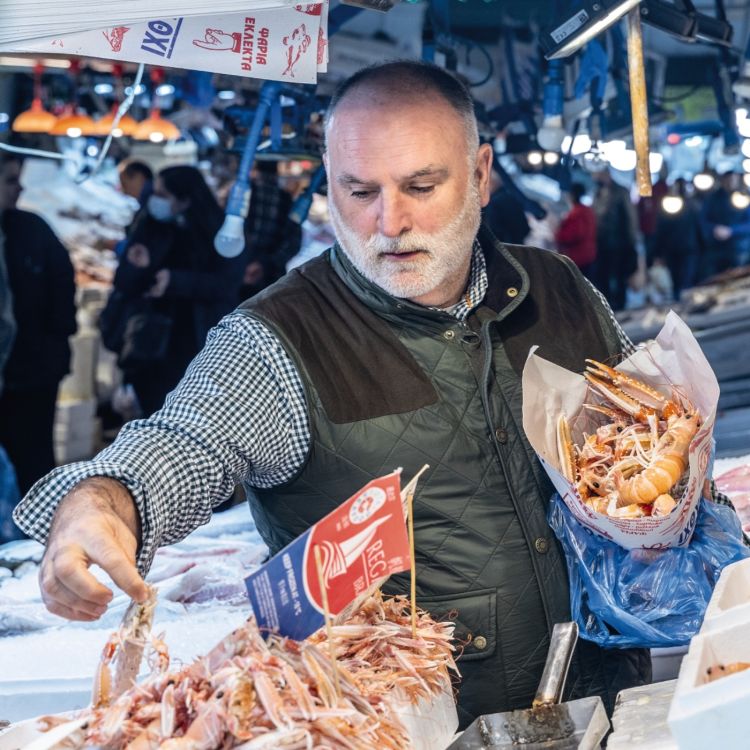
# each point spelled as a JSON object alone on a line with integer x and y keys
{"x": 648, "y": 210}
{"x": 616, "y": 239}
{"x": 272, "y": 239}
{"x": 504, "y": 214}
{"x": 679, "y": 239}
{"x": 718, "y": 219}
{"x": 576, "y": 235}
{"x": 136, "y": 179}
{"x": 42, "y": 286}
{"x": 171, "y": 286}
{"x": 9, "y": 492}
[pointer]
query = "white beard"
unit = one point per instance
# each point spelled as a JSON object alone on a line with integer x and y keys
{"x": 442, "y": 254}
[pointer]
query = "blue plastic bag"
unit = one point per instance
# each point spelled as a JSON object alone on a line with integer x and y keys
{"x": 645, "y": 598}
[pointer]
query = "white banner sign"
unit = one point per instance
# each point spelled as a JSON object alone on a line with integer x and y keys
{"x": 281, "y": 44}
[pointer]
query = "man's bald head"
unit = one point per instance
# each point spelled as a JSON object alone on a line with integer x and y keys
{"x": 408, "y": 82}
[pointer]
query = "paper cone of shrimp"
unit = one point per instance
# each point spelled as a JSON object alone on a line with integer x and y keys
{"x": 628, "y": 448}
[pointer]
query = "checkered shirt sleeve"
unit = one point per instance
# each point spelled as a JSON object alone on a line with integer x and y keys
{"x": 238, "y": 414}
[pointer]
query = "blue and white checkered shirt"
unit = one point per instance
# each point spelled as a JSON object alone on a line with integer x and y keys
{"x": 239, "y": 414}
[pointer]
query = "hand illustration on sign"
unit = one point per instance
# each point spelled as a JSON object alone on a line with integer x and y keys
{"x": 297, "y": 43}
{"x": 114, "y": 36}
{"x": 220, "y": 41}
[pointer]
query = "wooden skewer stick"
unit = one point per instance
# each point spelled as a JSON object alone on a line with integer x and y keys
{"x": 327, "y": 616}
{"x": 638, "y": 102}
{"x": 413, "y": 567}
{"x": 409, "y": 491}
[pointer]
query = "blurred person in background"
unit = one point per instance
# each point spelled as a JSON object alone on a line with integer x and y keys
{"x": 504, "y": 214}
{"x": 718, "y": 219}
{"x": 616, "y": 239}
{"x": 9, "y": 492}
{"x": 648, "y": 209}
{"x": 271, "y": 237}
{"x": 171, "y": 286}
{"x": 136, "y": 179}
{"x": 576, "y": 234}
{"x": 679, "y": 238}
{"x": 42, "y": 287}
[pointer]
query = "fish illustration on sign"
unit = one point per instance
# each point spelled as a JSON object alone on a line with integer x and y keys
{"x": 114, "y": 36}
{"x": 296, "y": 43}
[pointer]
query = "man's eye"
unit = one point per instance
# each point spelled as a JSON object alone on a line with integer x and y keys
{"x": 422, "y": 189}
{"x": 361, "y": 194}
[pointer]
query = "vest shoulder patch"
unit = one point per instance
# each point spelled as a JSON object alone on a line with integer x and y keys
{"x": 357, "y": 365}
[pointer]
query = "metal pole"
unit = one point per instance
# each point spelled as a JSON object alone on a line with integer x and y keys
{"x": 638, "y": 102}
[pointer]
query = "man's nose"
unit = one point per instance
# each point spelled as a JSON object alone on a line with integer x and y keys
{"x": 393, "y": 218}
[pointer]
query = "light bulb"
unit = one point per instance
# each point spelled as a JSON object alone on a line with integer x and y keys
{"x": 551, "y": 135}
{"x": 672, "y": 204}
{"x": 535, "y": 158}
{"x": 740, "y": 200}
{"x": 551, "y": 158}
{"x": 230, "y": 240}
{"x": 703, "y": 181}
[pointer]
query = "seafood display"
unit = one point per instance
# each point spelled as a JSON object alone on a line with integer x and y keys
{"x": 631, "y": 461}
{"x": 273, "y": 692}
{"x": 714, "y": 673}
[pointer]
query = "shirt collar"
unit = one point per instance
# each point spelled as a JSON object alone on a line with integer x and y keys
{"x": 475, "y": 289}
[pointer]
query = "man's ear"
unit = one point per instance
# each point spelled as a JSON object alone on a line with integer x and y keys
{"x": 482, "y": 172}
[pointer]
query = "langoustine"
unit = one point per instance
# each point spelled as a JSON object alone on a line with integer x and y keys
{"x": 254, "y": 692}
{"x": 632, "y": 464}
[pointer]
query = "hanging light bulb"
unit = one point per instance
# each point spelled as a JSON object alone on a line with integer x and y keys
{"x": 73, "y": 124}
{"x": 126, "y": 125}
{"x": 740, "y": 200}
{"x": 156, "y": 129}
{"x": 672, "y": 204}
{"x": 36, "y": 119}
{"x": 703, "y": 181}
{"x": 535, "y": 158}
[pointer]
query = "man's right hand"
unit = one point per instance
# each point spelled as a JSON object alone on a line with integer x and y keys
{"x": 95, "y": 523}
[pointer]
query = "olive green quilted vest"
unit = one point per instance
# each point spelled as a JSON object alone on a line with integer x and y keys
{"x": 393, "y": 384}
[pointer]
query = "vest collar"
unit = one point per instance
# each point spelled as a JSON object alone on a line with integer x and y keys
{"x": 508, "y": 286}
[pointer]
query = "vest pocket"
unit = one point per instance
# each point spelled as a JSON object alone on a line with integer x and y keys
{"x": 475, "y": 616}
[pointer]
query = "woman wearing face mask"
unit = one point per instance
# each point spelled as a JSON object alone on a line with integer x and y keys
{"x": 172, "y": 271}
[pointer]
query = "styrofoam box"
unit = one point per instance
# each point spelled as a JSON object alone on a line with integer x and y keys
{"x": 730, "y": 601}
{"x": 705, "y": 715}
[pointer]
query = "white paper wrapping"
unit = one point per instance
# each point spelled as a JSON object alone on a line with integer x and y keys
{"x": 673, "y": 360}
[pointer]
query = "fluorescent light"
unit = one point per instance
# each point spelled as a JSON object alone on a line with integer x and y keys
{"x": 551, "y": 158}
{"x": 672, "y": 204}
{"x": 572, "y": 31}
{"x": 103, "y": 88}
{"x": 703, "y": 181}
{"x": 166, "y": 89}
{"x": 535, "y": 158}
{"x": 226, "y": 95}
{"x": 740, "y": 200}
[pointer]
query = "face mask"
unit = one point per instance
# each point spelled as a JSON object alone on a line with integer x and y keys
{"x": 160, "y": 208}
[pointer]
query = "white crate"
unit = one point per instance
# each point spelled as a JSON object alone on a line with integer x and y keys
{"x": 713, "y": 715}
{"x": 730, "y": 601}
